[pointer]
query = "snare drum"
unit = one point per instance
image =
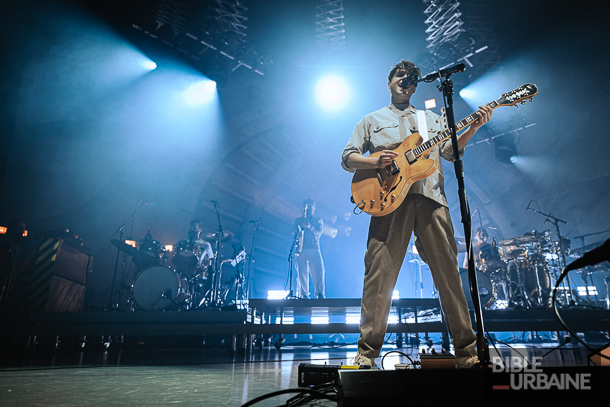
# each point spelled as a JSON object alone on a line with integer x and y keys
{"x": 158, "y": 288}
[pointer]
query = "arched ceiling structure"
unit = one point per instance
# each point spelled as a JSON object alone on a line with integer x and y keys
{"x": 88, "y": 144}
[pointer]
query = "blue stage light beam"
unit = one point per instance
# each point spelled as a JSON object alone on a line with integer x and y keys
{"x": 332, "y": 93}
{"x": 484, "y": 90}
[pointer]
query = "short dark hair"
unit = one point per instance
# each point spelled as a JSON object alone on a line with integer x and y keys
{"x": 406, "y": 65}
{"x": 309, "y": 201}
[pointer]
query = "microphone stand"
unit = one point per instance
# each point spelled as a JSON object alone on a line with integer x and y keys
{"x": 447, "y": 88}
{"x": 111, "y": 304}
{"x": 556, "y": 221}
{"x": 218, "y": 263}
{"x": 291, "y": 266}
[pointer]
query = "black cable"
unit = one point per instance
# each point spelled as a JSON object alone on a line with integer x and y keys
{"x": 561, "y": 321}
{"x": 395, "y": 351}
{"x": 523, "y": 357}
{"x": 302, "y": 398}
{"x": 566, "y": 341}
{"x": 287, "y": 391}
{"x": 489, "y": 338}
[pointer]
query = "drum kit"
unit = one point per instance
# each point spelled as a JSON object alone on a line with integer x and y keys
{"x": 177, "y": 278}
{"x": 516, "y": 272}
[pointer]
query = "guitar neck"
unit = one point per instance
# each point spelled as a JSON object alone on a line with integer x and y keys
{"x": 461, "y": 125}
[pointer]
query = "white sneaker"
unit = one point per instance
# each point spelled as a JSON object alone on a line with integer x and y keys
{"x": 466, "y": 362}
{"x": 361, "y": 360}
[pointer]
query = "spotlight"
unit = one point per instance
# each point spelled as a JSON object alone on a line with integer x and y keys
{"x": 506, "y": 150}
{"x": 150, "y": 65}
{"x": 332, "y": 92}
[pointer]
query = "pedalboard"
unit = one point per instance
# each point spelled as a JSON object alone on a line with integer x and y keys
{"x": 311, "y": 374}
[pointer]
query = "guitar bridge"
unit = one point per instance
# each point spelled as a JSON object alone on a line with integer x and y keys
{"x": 392, "y": 169}
{"x": 411, "y": 158}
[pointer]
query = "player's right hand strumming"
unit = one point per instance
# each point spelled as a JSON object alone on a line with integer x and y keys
{"x": 386, "y": 158}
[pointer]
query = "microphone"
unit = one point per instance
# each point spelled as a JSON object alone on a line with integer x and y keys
{"x": 148, "y": 203}
{"x": 444, "y": 72}
{"x": 409, "y": 80}
{"x": 592, "y": 257}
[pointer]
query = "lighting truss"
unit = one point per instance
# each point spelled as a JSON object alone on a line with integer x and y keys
{"x": 330, "y": 28}
{"x": 230, "y": 18}
{"x": 444, "y": 24}
{"x": 215, "y": 45}
{"x": 452, "y": 37}
{"x": 172, "y": 13}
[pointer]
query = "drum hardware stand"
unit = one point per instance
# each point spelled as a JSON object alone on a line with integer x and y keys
{"x": 556, "y": 221}
{"x": 251, "y": 258}
{"x": 415, "y": 258}
{"x": 111, "y": 304}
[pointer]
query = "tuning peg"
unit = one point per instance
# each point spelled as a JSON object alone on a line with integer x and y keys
{"x": 523, "y": 102}
{"x": 517, "y": 106}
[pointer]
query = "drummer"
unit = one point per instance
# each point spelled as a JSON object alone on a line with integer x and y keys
{"x": 479, "y": 240}
{"x": 201, "y": 248}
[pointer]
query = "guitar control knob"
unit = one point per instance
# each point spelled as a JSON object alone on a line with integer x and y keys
{"x": 372, "y": 202}
{"x": 393, "y": 198}
{"x": 380, "y": 194}
{"x": 382, "y": 205}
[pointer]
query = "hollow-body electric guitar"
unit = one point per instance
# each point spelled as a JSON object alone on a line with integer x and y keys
{"x": 380, "y": 191}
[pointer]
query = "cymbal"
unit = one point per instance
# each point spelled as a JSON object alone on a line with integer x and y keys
{"x": 124, "y": 247}
{"x": 526, "y": 238}
{"x": 226, "y": 236}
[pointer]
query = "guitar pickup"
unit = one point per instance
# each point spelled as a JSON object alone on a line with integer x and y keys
{"x": 411, "y": 158}
{"x": 392, "y": 169}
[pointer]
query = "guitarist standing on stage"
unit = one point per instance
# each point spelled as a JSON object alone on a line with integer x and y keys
{"x": 307, "y": 230}
{"x": 424, "y": 211}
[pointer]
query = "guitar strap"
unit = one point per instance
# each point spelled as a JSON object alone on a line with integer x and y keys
{"x": 422, "y": 126}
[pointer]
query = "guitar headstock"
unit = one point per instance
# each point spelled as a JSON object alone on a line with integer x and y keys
{"x": 519, "y": 95}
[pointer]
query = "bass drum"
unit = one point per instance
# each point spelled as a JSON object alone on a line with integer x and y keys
{"x": 487, "y": 290}
{"x": 159, "y": 288}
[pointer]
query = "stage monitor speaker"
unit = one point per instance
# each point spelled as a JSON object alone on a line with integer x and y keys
{"x": 59, "y": 278}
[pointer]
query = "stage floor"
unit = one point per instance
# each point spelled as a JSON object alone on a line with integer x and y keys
{"x": 198, "y": 377}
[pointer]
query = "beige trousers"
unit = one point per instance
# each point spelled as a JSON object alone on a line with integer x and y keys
{"x": 388, "y": 241}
